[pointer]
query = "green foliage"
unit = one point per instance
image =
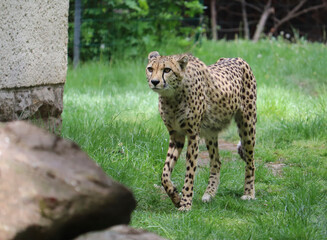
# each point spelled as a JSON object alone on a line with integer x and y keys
{"x": 112, "y": 114}
{"x": 129, "y": 28}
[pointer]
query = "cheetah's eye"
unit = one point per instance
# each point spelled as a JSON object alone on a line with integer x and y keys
{"x": 167, "y": 70}
{"x": 150, "y": 69}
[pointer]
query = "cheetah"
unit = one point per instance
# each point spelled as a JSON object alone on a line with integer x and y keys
{"x": 198, "y": 101}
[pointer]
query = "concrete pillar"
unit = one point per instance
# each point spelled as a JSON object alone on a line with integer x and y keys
{"x": 33, "y": 59}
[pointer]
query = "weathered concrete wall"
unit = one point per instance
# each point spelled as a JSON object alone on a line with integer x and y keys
{"x": 33, "y": 42}
{"x": 33, "y": 58}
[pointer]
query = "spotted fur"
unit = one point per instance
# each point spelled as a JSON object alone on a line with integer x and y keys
{"x": 196, "y": 101}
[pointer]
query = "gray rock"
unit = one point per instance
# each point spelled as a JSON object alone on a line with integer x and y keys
{"x": 23, "y": 103}
{"x": 7, "y": 100}
{"x": 120, "y": 232}
{"x": 41, "y": 104}
{"x": 50, "y": 189}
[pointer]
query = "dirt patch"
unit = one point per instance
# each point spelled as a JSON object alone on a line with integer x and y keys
{"x": 227, "y": 146}
{"x": 204, "y": 159}
{"x": 276, "y": 168}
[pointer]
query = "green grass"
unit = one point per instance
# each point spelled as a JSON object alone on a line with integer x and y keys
{"x": 110, "y": 112}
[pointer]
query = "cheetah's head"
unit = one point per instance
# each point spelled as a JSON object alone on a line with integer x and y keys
{"x": 165, "y": 73}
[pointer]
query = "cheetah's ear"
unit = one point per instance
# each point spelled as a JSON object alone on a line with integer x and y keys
{"x": 153, "y": 54}
{"x": 183, "y": 61}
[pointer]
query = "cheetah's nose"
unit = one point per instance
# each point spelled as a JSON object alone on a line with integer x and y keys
{"x": 155, "y": 82}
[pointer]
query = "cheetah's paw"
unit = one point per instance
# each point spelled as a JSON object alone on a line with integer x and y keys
{"x": 185, "y": 208}
{"x": 248, "y": 197}
{"x": 206, "y": 197}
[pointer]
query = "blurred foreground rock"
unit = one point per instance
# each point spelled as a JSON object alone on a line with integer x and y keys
{"x": 120, "y": 232}
{"x": 50, "y": 189}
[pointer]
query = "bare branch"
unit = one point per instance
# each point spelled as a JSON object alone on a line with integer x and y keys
{"x": 213, "y": 19}
{"x": 262, "y": 22}
{"x": 297, "y": 7}
{"x": 295, "y": 13}
{"x": 291, "y": 13}
{"x": 255, "y": 7}
{"x": 245, "y": 20}
{"x": 310, "y": 9}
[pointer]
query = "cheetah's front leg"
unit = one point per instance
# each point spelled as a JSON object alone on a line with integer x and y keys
{"x": 191, "y": 163}
{"x": 215, "y": 163}
{"x": 176, "y": 144}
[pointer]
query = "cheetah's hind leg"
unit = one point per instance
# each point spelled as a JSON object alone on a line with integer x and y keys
{"x": 245, "y": 149}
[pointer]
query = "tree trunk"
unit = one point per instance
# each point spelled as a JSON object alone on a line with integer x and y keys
{"x": 262, "y": 22}
{"x": 77, "y": 31}
{"x": 245, "y": 21}
{"x": 213, "y": 19}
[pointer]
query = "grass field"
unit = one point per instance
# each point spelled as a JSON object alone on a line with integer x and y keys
{"x": 112, "y": 114}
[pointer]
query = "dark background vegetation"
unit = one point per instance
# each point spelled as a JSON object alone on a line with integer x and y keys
{"x": 130, "y": 28}
{"x": 312, "y": 24}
